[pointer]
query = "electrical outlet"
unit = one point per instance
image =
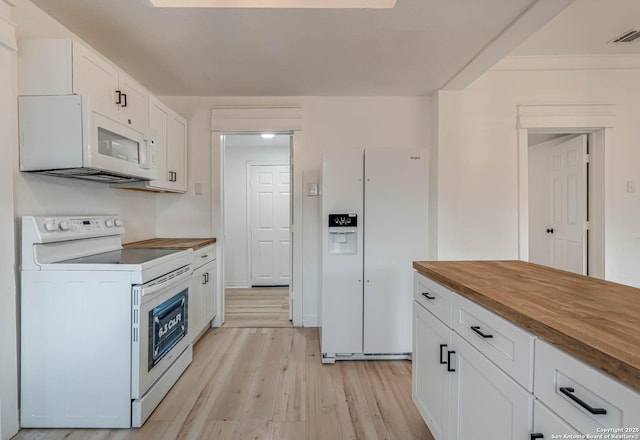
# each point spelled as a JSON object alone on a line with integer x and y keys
{"x": 631, "y": 186}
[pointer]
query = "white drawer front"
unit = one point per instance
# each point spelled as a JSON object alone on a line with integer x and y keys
{"x": 434, "y": 297}
{"x": 548, "y": 424}
{"x": 556, "y": 371}
{"x": 505, "y": 344}
{"x": 204, "y": 255}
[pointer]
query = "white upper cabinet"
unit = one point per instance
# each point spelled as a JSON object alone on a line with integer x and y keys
{"x": 65, "y": 67}
{"x": 171, "y": 150}
{"x": 176, "y": 153}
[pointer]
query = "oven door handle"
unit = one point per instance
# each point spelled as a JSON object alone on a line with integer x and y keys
{"x": 162, "y": 285}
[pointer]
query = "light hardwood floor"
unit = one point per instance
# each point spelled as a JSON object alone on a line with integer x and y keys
{"x": 257, "y": 307}
{"x": 270, "y": 384}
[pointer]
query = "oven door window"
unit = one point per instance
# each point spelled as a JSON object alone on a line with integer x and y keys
{"x": 167, "y": 325}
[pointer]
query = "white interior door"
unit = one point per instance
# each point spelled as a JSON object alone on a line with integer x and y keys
{"x": 568, "y": 207}
{"x": 270, "y": 239}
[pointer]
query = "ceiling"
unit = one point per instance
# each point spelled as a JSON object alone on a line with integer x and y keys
{"x": 585, "y": 28}
{"x": 413, "y": 49}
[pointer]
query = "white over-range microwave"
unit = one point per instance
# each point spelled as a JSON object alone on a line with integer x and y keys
{"x": 62, "y": 136}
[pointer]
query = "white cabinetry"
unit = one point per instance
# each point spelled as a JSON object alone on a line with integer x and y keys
{"x": 546, "y": 423}
{"x": 474, "y": 377}
{"x": 170, "y": 130}
{"x": 431, "y": 378}
{"x": 589, "y": 401}
{"x": 65, "y": 67}
{"x": 485, "y": 403}
{"x": 459, "y": 392}
{"x": 202, "y": 304}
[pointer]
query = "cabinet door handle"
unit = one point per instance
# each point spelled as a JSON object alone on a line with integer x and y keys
{"x": 204, "y": 278}
{"x": 124, "y": 104}
{"x": 477, "y": 330}
{"x": 449, "y": 353}
{"x": 426, "y": 295}
{"x": 536, "y": 435}
{"x": 568, "y": 391}
{"x": 119, "y": 101}
{"x": 442, "y": 361}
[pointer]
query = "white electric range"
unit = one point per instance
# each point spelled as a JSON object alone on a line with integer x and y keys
{"x": 104, "y": 330}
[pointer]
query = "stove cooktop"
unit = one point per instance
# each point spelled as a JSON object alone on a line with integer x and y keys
{"x": 123, "y": 256}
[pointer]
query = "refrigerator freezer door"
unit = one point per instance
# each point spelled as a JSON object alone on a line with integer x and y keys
{"x": 341, "y": 298}
{"x": 395, "y": 216}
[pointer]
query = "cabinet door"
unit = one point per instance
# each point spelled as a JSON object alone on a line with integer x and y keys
{"x": 486, "y": 404}
{"x": 195, "y": 302}
{"x": 94, "y": 77}
{"x": 431, "y": 380}
{"x": 547, "y": 423}
{"x": 158, "y": 121}
{"x": 177, "y": 152}
{"x": 134, "y": 103}
{"x": 209, "y": 293}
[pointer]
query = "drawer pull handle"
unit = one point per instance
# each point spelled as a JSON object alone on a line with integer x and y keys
{"x": 536, "y": 435}
{"x": 204, "y": 256}
{"x": 449, "y": 353}
{"x": 477, "y": 330}
{"x": 568, "y": 391}
{"x": 426, "y": 295}
{"x": 442, "y": 361}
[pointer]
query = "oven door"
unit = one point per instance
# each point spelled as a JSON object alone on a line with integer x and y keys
{"x": 160, "y": 327}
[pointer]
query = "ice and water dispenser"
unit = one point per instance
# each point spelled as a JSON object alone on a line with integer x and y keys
{"x": 343, "y": 234}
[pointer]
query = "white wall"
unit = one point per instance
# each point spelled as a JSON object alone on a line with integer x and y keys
{"x": 235, "y": 187}
{"x": 8, "y": 310}
{"x": 478, "y": 169}
{"x": 339, "y": 122}
{"x": 42, "y": 195}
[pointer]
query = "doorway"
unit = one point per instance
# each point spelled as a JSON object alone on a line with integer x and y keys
{"x": 565, "y": 200}
{"x": 558, "y": 191}
{"x": 257, "y": 233}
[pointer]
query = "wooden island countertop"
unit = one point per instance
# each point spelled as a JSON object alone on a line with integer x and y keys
{"x": 596, "y": 321}
{"x": 173, "y": 243}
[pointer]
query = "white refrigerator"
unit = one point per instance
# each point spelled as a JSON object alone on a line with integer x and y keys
{"x": 374, "y": 225}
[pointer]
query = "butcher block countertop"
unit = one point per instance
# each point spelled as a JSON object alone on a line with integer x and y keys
{"x": 173, "y": 243}
{"x": 596, "y": 321}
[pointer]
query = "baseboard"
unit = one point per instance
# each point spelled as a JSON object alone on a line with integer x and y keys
{"x": 311, "y": 321}
{"x": 236, "y": 285}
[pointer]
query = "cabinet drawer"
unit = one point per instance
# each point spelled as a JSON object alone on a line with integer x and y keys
{"x": 434, "y": 297}
{"x": 505, "y": 344}
{"x": 558, "y": 376}
{"x": 204, "y": 255}
{"x": 547, "y": 423}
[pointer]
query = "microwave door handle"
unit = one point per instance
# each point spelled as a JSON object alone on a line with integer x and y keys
{"x": 148, "y": 154}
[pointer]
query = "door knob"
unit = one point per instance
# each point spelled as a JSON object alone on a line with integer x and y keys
{"x": 549, "y": 230}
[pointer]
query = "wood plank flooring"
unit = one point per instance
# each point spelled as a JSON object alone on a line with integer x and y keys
{"x": 257, "y": 307}
{"x": 269, "y": 383}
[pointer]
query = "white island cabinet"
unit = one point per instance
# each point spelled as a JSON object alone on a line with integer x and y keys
{"x": 476, "y": 375}
{"x": 459, "y": 392}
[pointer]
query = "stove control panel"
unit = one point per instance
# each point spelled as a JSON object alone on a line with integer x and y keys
{"x": 61, "y": 228}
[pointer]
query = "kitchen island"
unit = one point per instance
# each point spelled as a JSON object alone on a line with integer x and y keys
{"x": 562, "y": 349}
